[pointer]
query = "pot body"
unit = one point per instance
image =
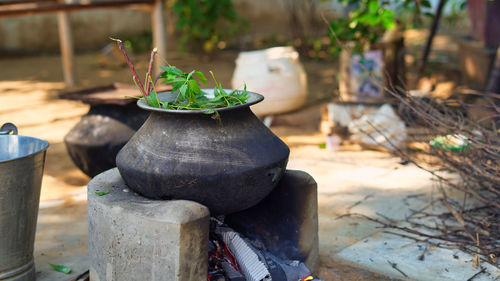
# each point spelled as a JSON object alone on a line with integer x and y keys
{"x": 97, "y": 138}
{"x": 277, "y": 74}
{"x": 228, "y": 165}
{"x": 21, "y": 169}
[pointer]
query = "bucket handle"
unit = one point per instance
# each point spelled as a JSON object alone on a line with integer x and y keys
{"x": 8, "y": 128}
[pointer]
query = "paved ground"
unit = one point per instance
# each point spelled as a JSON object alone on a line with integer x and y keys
{"x": 365, "y": 182}
{"x": 376, "y": 185}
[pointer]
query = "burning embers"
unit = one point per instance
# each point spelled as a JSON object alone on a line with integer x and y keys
{"x": 232, "y": 257}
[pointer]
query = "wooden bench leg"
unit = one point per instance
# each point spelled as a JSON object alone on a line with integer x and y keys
{"x": 67, "y": 52}
{"x": 159, "y": 31}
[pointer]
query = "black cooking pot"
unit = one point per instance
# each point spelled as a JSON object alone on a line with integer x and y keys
{"x": 97, "y": 138}
{"x": 228, "y": 162}
{"x": 112, "y": 120}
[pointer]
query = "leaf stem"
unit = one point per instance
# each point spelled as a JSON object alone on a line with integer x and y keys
{"x": 131, "y": 66}
{"x": 150, "y": 69}
{"x": 152, "y": 83}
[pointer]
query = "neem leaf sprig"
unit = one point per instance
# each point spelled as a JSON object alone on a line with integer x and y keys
{"x": 186, "y": 86}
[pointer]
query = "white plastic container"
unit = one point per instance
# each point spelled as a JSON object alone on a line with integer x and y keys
{"x": 277, "y": 74}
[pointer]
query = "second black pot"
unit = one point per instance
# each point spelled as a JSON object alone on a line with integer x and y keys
{"x": 96, "y": 140}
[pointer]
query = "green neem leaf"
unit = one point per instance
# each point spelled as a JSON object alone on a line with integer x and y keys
{"x": 177, "y": 85}
{"x": 202, "y": 96}
{"x": 243, "y": 96}
{"x": 217, "y": 93}
{"x": 215, "y": 99}
{"x": 61, "y": 268}
{"x": 166, "y": 105}
{"x": 182, "y": 92}
{"x": 189, "y": 75}
{"x": 193, "y": 86}
{"x": 170, "y": 78}
{"x": 171, "y": 70}
{"x": 102, "y": 193}
{"x": 179, "y": 79}
{"x": 201, "y": 77}
{"x": 222, "y": 90}
{"x": 189, "y": 96}
{"x": 195, "y": 106}
{"x": 152, "y": 99}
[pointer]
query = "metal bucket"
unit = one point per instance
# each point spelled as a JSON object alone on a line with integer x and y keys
{"x": 21, "y": 169}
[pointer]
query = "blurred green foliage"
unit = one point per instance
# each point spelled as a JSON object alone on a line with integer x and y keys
{"x": 368, "y": 19}
{"x": 204, "y": 23}
{"x": 207, "y": 25}
{"x": 456, "y": 12}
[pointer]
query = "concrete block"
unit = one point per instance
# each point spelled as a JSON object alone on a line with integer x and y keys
{"x": 286, "y": 221}
{"x": 133, "y": 238}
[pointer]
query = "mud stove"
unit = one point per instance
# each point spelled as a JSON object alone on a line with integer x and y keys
{"x": 134, "y": 238}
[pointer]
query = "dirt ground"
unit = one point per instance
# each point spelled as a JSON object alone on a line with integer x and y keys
{"x": 29, "y": 89}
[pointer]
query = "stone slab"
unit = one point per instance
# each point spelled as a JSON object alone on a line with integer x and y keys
{"x": 335, "y": 234}
{"x": 134, "y": 238}
{"x": 377, "y": 252}
{"x": 389, "y": 204}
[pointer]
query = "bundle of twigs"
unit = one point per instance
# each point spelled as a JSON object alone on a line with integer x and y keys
{"x": 477, "y": 164}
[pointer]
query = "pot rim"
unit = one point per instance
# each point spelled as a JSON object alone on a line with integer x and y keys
{"x": 42, "y": 146}
{"x": 162, "y": 96}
